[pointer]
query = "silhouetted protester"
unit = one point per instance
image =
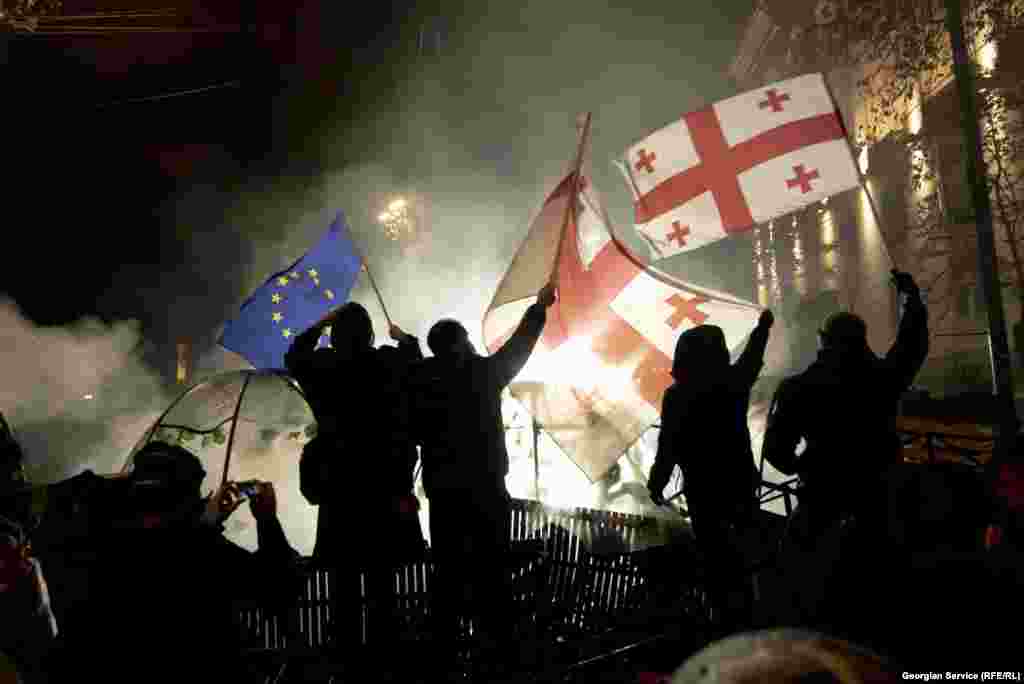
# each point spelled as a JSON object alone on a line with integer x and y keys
{"x": 360, "y": 404}
{"x": 160, "y": 602}
{"x": 15, "y": 497}
{"x": 27, "y": 626}
{"x": 704, "y": 431}
{"x": 459, "y": 425}
{"x": 844, "y": 408}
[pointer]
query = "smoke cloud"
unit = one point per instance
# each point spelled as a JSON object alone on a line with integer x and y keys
{"x": 476, "y": 133}
{"x": 77, "y": 396}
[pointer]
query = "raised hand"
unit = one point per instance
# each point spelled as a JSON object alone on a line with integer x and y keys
{"x": 904, "y": 283}
{"x": 397, "y": 334}
{"x": 546, "y": 296}
{"x": 264, "y": 503}
{"x": 224, "y": 502}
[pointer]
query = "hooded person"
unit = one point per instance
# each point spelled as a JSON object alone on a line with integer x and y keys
{"x": 361, "y": 461}
{"x": 704, "y": 431}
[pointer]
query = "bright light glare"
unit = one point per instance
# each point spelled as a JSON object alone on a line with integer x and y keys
{"x": 987, "y": 56}
{"x": 88, "y": 396}
{"x": 397, "y": 205}
{"x": 862, "y": 159}
{"x": 915, "y": 120}
{"x": 575, "y": 364}
{"x": 383, "y": 218}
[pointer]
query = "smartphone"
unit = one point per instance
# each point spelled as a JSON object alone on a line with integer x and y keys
{"x": 248, "y": 489}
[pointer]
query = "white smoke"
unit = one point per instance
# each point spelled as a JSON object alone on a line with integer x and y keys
{"x": 77, "y": 396}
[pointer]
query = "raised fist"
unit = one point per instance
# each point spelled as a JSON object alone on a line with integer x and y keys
{"x": 397, "y": 334}
{"x": 264, "y": 503}
{"x": 904, "y": 283}
{"x": 546, "y": 297}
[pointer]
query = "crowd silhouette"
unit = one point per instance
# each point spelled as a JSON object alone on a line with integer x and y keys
{"x": 157, "y": 602}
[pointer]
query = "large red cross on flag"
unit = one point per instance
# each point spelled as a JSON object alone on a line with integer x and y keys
{"x": 739, "y": 162}
{"x": 596, "y": 379}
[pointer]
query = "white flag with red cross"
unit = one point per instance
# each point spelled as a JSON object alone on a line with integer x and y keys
{"x": 739, "y": 162}
{"x": 596, "y": 379}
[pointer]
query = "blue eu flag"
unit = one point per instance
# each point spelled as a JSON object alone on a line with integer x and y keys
{"x": 294, "y": 299}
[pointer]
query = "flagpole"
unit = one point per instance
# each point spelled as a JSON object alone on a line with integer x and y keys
{"x": 571, "y": 206}
{"x": 988, "y": 268}
{"x": 875, "y": 215}
{"x": 380, "y": 300}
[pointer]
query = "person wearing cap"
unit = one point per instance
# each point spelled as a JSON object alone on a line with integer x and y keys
{"x": 161, "y": 591}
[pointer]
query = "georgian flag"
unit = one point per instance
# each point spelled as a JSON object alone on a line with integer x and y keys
{"x": 739, "y": 162}
{"x": 596, "y": 379}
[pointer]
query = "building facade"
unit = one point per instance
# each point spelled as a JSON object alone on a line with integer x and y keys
{"x": 915, "y": 201}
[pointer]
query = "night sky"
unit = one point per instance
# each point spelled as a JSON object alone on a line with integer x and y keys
{"x": 129, "y": 226}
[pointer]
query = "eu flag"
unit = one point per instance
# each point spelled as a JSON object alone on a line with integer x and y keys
{"x": 294, "y": 299}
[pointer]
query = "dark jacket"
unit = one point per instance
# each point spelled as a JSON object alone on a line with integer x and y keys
{"x": 457, "y": 405}
{"x": 704, "y": 419}
{"x": 159, "y": 604}
{"x": 361, "y": 408}
{"x": 845, "y": 406}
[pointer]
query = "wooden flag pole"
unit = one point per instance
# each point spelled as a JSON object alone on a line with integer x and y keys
{"x": 571, "y": 206}
{"x": 875, "y": 215}
{"x": 376, "y": 291}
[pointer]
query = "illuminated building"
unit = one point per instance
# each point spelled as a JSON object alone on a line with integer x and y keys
{"x": 829, "y": 247}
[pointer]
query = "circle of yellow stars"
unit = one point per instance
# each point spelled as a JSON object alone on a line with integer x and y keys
{"x": 278, "y": 298}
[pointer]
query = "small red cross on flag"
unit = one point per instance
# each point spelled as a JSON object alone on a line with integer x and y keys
{"x": 645, "y": 161}
{"x": 719, "y": 168}
{"x": 803, "y": 178}
{"x": 774, "y": 100}
{"x": 678, "y": 234}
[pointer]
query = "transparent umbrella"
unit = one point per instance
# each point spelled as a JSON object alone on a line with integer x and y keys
{"x": 245, "y": 425}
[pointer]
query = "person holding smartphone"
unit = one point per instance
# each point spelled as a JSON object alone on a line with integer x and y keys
{"x": 159, "y": 605}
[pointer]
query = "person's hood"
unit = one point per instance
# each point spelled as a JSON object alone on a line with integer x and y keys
{"x": 700, "y": 351}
